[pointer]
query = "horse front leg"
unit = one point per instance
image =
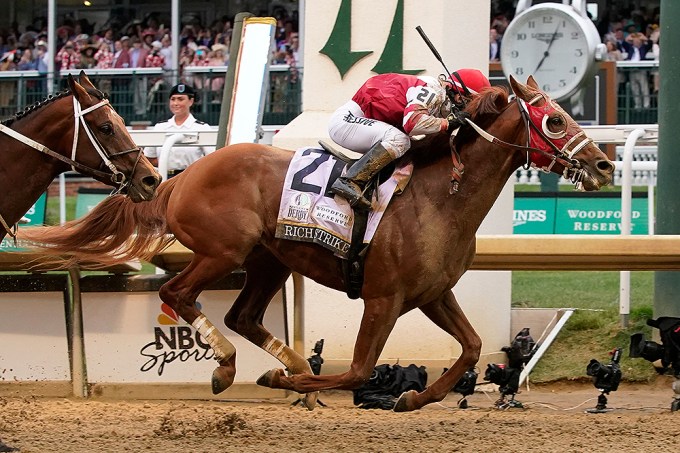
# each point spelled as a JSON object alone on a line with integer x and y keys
{"x": 181, "y": 292}
{"x": 266, "y": 276}
{"x": 447, "y": 314}
{"x": 377, "y": 322}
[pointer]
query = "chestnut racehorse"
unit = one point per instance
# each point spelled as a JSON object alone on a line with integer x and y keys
{"x": 224, "y": 208}
{"x": 74, "y": 129}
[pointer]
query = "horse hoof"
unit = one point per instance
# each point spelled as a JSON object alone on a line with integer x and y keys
{"x": 309, "y": 400}
{"x": 269, "y": 378}
{"x": 406, "y": 402}
{"x": 222, "y": 378}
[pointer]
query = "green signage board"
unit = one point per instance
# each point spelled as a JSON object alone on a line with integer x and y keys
{"x": 88, "y": 199}
{"x": 573, "y": 213}
{"x": 35, "y": 216}
{"x": 598, "y": 216}
{"x": 534, "y": 216}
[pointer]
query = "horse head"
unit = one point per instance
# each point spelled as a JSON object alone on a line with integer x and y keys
{"x": 557, "y": 143}
{"x": 105, "y": 146}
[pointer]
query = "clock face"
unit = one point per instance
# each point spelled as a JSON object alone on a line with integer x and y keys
{"x": 552, "y": 45}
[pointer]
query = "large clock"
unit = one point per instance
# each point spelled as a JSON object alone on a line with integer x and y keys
{"x": 555, "y": 43}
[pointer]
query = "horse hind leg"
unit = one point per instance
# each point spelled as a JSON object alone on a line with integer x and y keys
{"x": 181, "y": 292}
{"x": 379, "y": 317}
{"x": 265, "y": 277}
{"x": 447, "y": 314}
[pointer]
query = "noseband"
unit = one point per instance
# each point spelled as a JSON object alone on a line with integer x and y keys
{"x": 117, "y": 177}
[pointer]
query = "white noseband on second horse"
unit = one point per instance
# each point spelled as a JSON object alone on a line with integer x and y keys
{"x": 79, "y": 114}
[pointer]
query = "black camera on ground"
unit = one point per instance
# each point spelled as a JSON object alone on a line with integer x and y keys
{"x": 507, "y": 380}
{"x": 606, "y": 377}
{"x": 521, "y": 350}
{"x": 315, "y": 361}
{"x": 668, "y": 352}
{"x": 465, "y": 386}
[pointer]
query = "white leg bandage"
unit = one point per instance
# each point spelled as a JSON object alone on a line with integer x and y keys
{"x": 222, "y": 347}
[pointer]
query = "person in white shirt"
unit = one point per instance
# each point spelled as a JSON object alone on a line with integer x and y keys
{"x": 182, "y": 97}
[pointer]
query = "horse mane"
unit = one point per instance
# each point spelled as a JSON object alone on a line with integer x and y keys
{"x": 48, "y": 100}
{"x": 487, "y": 102}
{"x": 483, "y": 109}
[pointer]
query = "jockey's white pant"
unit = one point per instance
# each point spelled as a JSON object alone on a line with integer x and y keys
{"x": 348, "y": 127}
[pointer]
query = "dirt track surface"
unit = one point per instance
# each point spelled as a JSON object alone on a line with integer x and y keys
{"x": 553, "y": 420}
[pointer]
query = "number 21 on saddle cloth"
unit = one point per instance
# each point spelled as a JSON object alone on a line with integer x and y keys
{"x": 310, "y": 212}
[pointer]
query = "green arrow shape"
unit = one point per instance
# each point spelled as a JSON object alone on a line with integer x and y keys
{"x": 392, "y": 58}
{"x": 338, "y": 46}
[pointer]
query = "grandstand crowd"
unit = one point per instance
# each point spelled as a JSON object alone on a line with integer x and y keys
{"x": 631, "y": 34}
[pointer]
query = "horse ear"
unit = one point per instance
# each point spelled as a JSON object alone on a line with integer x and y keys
{"x": 532, "y": 82}
{"x": 521, "y": 91}
{"x": 78, "y": 91}
{"x": 85, "y": 80}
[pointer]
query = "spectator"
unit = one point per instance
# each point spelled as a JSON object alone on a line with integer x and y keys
{"x": 148, "y": 37}
{"x": 42, "y": 56}
{"x": 494, "y": 45}
{"x": 654, "y": 35}
{"x": 138, "y": 56}
{"x": 67, "y": 57}
{"x": 219, "y": 56}
{"x": 107, "y": 38}
{"x": 155, "y": 58}
{"x": 63, "y": 35}
{"x": 104, "y": 59}
{"x": 137, "y": 53}
{"x": 182, "y": 97}
{"x": 166, "y": 51}
{"x": 81, "y": 41}
{"x": 121, "y": 59}
{"x": 639, "y": 77}
{"x": 26, "y": 61}
{"x": 87, "y": 60}
{"x": 614, "y": 54}
{"x": 621, "y": 43}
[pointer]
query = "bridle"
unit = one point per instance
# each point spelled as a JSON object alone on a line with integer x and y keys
{"x": 562, "y": 155}
{"x": 117, "y": 177}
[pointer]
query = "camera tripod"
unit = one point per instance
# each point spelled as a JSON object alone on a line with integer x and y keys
{"x": 601, "y": 406}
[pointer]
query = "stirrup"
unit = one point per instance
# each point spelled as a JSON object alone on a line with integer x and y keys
{"x": 346, "y": 189}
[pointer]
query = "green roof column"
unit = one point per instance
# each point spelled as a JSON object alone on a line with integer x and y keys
{"x": 666, "y": 283}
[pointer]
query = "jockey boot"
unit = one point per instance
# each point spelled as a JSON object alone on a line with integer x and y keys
{"x": 352, "y": 184}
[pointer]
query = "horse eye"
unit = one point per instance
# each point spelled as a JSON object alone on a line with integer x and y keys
{"x": 556, "y": 120}
{"x": 106, "y": 129}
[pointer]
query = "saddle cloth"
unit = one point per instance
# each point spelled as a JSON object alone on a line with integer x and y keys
{"x": 310, "y": 212}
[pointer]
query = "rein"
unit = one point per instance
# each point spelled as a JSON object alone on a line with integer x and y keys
{"x": 563, "y": 156}
{"x": 116, "y": 176}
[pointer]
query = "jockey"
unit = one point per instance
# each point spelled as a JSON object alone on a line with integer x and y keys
{"x": 389, "y": 109}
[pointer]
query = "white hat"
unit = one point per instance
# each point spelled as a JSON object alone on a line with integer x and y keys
{"x": 157, "y": 45}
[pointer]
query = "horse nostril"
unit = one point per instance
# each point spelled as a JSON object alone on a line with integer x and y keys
{"x": 151, "y": 181}
{"x": 605, "y": 166}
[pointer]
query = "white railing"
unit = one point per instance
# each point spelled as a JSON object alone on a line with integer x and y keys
{"x": 166, "y": 141}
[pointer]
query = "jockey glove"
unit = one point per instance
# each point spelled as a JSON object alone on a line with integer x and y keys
{"x": 456, "y": 120}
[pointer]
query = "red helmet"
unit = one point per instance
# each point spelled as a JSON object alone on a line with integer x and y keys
{"x": 472, "y": 79}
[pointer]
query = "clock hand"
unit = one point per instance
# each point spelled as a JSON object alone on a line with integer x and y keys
{"x": 546, "y": 53}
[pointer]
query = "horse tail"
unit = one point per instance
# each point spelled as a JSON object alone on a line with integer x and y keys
{"x": 115, "y": 231}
